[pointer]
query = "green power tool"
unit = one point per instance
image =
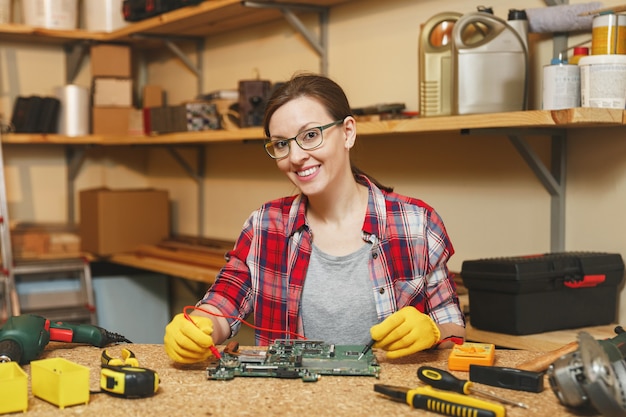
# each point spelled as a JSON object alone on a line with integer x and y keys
{"x": 23, "y": 338}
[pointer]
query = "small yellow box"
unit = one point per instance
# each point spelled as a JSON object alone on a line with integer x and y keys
{"x": 13, "y": 388}
{"x": 60, "y": 382}
{"x": 471, "y": 353}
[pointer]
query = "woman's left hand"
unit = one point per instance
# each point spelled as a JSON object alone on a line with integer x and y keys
{"x": 405, "y": 332}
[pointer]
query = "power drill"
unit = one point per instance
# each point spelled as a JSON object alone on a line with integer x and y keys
{"x": 23, "y": 338}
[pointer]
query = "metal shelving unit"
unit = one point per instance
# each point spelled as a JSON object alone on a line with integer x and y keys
{"x": 77, "y": 306}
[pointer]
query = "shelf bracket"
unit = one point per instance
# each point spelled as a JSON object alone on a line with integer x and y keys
{"x": 74, "y": 158}
{"x": 320, "y": 45}
{"x": 196, "y": 68}
{"x": 552, "y": 179}
{"x": 75, "y": 54}
{"x": 559, "y": 40}
{"x": 197, "y": 175}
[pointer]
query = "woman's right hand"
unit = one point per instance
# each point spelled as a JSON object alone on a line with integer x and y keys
{"x": 189, "y": 341}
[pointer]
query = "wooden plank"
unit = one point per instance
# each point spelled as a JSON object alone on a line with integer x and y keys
{"x": 30, "y": 34}
{"x": 542, "y": 342}
{"x": 568, "y": 118}
{"x": 207, "y": 18}
{"x": 201, "y": 242}
{"x": 213, "y": 261}
{"x": 186, "y": 247}
{"x": 163, "y": 266}
{"x": 578, "y": 117}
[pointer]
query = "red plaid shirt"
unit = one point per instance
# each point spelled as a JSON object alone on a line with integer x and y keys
{"x": 265, "y": 271}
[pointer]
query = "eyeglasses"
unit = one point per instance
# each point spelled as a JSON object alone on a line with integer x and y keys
{"x": 308, "y": 140}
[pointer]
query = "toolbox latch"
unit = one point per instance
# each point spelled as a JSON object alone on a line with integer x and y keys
{"x": 586, "y": 282}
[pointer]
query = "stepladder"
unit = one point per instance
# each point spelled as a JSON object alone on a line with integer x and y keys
{"x": 58, "y": 288}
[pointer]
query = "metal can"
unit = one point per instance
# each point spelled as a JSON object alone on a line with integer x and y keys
{"x": 608, "y": 34}
{"x": 561, "y": 86}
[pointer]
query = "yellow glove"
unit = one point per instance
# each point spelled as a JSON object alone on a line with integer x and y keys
{"x": 188, "y": 342}
{"x": 405, "y": 332}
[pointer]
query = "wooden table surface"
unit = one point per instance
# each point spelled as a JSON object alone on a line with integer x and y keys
{"x": 185, "y": 390}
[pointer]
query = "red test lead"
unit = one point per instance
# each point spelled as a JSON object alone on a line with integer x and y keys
{"x": 215, "y": 352}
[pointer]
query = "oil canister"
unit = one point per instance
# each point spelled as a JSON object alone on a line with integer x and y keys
{"x": 435, "y": 66}
{"x": 490, "y": 65}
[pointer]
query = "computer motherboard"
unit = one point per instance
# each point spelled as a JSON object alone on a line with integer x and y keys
{"x": 287, "y": 358}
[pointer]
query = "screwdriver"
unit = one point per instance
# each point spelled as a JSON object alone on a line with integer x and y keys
{"x": 444, "y": 380}
{"x": 442, "y": 402}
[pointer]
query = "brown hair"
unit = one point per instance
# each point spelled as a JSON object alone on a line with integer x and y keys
{"x": 322, "y": 89}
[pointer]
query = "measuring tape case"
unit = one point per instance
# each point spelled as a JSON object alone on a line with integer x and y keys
{"x": 545, "y": 292}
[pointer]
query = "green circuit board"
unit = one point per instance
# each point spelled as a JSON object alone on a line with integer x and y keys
{"x": 304, "y": 359}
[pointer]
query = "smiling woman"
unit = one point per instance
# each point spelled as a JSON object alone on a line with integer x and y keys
{"x": 346, "y": 261}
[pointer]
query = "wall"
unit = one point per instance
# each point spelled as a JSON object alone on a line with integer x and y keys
{"x": 490, "y": 201}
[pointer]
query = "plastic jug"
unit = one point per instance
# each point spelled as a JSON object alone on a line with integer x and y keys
{"x": 490, "y": 65}
{"x": 435, "y": 64}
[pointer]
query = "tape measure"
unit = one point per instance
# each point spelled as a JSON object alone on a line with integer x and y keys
{"x": 129, "y": 381}
{"x": 124, "y": 378}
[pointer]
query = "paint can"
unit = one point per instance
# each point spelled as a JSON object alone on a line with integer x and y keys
{"x": 5, "y": 12}
{"x": 603, "y": 81}
{"x": 103, "y": 15}
{"x": 561, "y": 85}
{"x": 608, "y": 34}
{"x": 51, "y": 14}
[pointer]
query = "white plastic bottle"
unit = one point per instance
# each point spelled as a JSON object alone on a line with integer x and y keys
{"x": 518, "y": 20}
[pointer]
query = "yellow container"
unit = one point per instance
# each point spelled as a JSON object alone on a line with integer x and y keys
{"x": 608, "y": 35}
{"x": 13, "y": 388}
{"x": 60, "y": 382}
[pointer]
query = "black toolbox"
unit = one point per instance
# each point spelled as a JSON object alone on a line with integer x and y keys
{"x": 545, "y": 292}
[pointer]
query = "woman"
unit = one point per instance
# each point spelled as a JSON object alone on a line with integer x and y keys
{"x": 344, "y": 261}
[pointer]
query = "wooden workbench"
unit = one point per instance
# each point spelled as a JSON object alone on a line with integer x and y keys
{"x": 185, "y": 390}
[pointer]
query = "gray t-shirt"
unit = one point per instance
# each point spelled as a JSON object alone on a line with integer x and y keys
{"x": 337, "y": 298}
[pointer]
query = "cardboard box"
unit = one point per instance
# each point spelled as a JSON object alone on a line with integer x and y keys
{"x": 111, "y": 120}
{"x": 115, "y": 221}
{"x": 111, "y": 60}
{"x": 545, "y": 292}
{"x": 153, "y": 96}
{"x": 112, "y": 92}
{"x": 36, "y": 241}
